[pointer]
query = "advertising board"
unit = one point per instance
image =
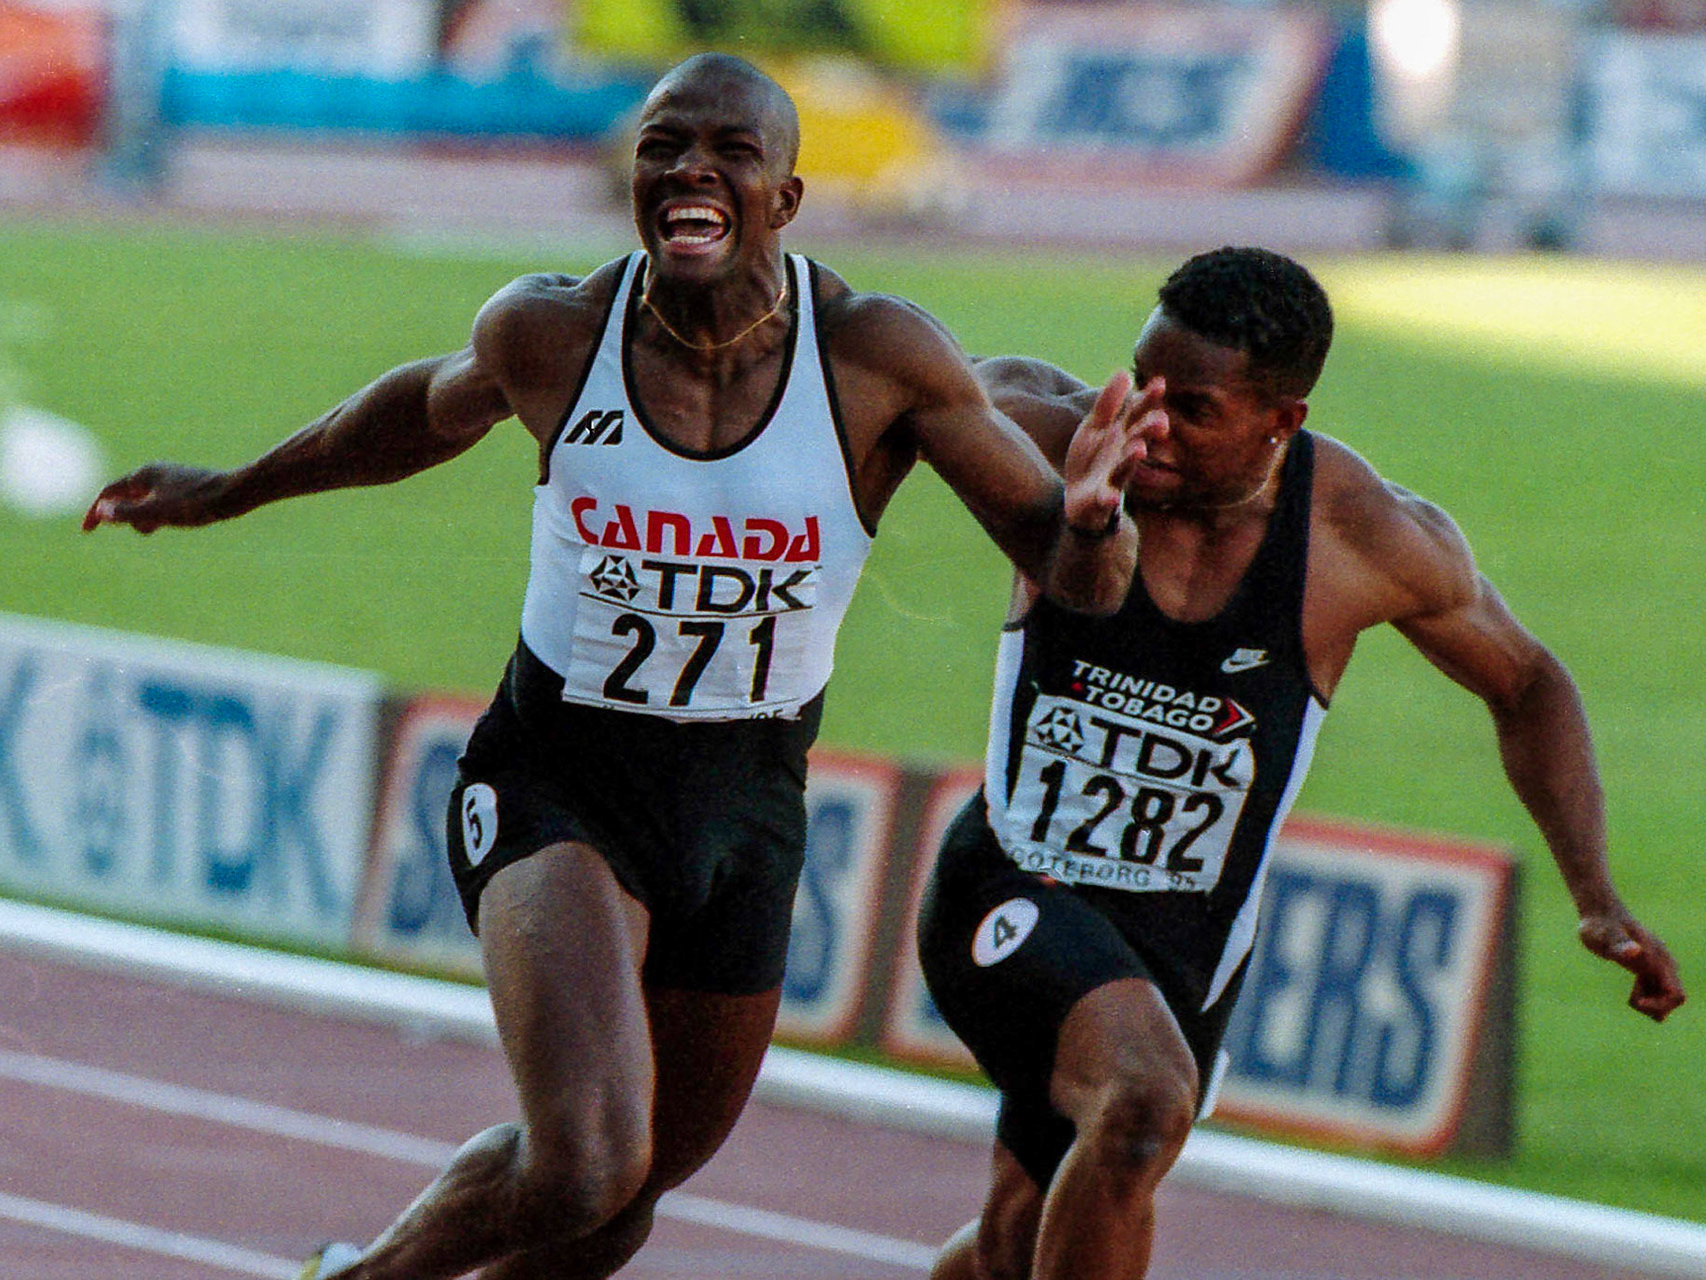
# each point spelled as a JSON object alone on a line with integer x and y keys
{"x": 1200, "y": 95}
{"x": 177, "y": 783}
{"x": 1643, "y": 114}
{"x": 1367, "y": 995}
{"x": 410, "y": 914}
{"x": 383, "y": 39}
{"x": 850, "y": 814}
{"x": 913, "y": 1029}
{"x": 52, "y": 67}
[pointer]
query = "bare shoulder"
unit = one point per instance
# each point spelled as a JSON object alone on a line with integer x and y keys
{"x": 1026, "y": 376}
{"x": 1401, "y": 547}
{"x": 881, "y": 332}
{"x": 1042, "y": 398}
{"x": 536, "y": 320}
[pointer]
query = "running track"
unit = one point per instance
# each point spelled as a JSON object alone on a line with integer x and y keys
{"x": 156, "y": 1132}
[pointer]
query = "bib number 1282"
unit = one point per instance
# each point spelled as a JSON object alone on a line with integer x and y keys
{"x": 1148, "y": 825}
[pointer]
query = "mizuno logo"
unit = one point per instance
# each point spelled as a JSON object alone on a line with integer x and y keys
{"x": 1244, "y": 660}
{"x": 599, "y": 426}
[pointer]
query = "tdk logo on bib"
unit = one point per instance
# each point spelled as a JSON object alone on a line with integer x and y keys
{"x": 1004, "y": 931}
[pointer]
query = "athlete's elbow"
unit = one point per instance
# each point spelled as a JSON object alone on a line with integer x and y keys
{"x": 1535, "y": 686}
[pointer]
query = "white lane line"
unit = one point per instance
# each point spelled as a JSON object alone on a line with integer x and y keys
{"x": 144, "y": 1239}
{"x": 362, "y": 1139}
{"x": 240, "y": 1113}
{"x": 791, "y": 1230}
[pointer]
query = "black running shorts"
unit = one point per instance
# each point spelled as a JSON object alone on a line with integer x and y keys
{"x": 1006, "y": 954}
{"x": 704, "y": 823}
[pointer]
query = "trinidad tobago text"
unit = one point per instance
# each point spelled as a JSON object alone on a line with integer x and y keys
{"x": 1161, "y": 703}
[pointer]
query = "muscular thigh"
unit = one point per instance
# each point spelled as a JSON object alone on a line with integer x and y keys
{"x": 563, "y": 943}
{"x": 709, "y": 1047}
{"x": 1007, "y": 954}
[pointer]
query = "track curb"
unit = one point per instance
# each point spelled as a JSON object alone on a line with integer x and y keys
{"x": 1268, "y": 1171}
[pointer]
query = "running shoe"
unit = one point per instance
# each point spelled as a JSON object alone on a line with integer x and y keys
{"x": 328, "y": 1260}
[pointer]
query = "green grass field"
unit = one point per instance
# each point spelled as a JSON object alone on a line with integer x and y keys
{"x": 1553, "y": 407}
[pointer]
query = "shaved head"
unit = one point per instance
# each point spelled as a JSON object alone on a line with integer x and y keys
{"x": 724, "y": 74}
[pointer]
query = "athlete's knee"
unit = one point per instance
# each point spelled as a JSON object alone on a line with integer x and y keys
{"x": 575, "y": 1179}
{"x": 997, "y": 1255}
{"x": 1139, "y": 1122}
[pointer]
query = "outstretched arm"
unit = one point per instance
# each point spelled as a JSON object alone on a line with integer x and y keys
{"x": 1073, "y": 539}
{"x": 411, "y": 418}
{"x": 1546, "y": 747}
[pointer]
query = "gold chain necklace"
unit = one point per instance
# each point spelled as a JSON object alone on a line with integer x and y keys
{"x": 646, "y": 301}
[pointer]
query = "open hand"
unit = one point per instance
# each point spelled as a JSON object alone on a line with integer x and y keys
{"x": 1109, "y": 442}
{"x": 1621, "y": 940}
{"x": 156, "y": 496}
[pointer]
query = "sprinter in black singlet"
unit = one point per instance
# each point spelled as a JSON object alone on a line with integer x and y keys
{"x": 1093, "y": 908}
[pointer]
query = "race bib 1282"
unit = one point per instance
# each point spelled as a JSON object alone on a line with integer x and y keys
{"x": 1106, "y": 799}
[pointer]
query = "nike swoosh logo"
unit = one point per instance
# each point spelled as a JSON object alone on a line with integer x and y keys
{"x": 1245, "y": 660}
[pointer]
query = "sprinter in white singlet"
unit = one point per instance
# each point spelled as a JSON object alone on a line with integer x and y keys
{"x": 720, "y": 428}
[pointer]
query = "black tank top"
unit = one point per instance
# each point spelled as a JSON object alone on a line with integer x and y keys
{"x": 1149, "y": 762}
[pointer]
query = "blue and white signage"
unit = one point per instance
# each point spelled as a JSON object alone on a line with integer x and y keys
{"x": 1364, "y": 996}
{"x": 1644, "y": 114}
{"x": 183, "y": 784}
{"x": 1211, "y": 94}
{"x": 850, "y": 802}
{"x": 383, "y": 39}
{"x": 410, "y": 911}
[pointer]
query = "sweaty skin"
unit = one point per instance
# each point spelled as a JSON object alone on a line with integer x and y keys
{"x": 625, "y": 1089}
{"x": 1202, "y": 492}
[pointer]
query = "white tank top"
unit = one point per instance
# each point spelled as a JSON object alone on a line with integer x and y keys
{"x": 695, "y": 586}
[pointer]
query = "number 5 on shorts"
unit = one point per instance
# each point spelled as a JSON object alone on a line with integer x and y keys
{"x": 479, "y": 822}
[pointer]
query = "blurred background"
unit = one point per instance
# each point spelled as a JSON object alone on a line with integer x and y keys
{"x": 218, "y": 217}
{"x": 1575, "y": 125}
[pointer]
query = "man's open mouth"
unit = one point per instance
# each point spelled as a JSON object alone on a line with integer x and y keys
{"x": 693, "y": 224}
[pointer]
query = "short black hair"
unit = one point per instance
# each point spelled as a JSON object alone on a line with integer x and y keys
{"x": 730, "y": 68}
{"x": 1261, "y": 303}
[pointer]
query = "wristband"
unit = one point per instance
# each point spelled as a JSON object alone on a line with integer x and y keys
{"x": 1106, "y": 531}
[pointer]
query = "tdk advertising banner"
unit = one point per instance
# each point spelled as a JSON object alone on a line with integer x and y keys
{"x": 182, "y": 784}
{"x": 1366, "y": 996}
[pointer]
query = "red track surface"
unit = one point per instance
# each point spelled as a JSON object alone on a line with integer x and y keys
{"x": 222, "y": 1123}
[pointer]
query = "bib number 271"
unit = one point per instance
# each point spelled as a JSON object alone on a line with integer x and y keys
{"x": 701, "y": 638}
